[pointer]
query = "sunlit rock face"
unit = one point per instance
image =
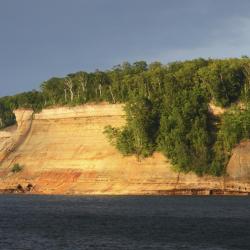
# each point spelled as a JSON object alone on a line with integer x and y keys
{"x": 64, "y": 151}
{"x": 23, "y": 117}
{"x": 239, "y": 164}
{"x": 14, "y": 136}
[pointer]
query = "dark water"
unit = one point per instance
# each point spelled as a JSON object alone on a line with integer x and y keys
{"x": 59, "y": 222}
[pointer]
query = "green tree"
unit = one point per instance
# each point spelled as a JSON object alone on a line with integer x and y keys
{"x": 139, "y": 135}
{"x": 224, "y": 80}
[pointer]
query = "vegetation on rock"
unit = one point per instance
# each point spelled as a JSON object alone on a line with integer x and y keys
{"x": 167, "y": 108}
{"x": 16, "y": 168}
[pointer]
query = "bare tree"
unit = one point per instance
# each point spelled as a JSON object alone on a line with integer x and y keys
{"x": 111, "y": 92}
{"x": 83, "y": 80}
{"x": 246, "y": 71}
{"x": 100, "y": 89}
{"x": 69, "y": 84}
{"x": 65, "y": 94}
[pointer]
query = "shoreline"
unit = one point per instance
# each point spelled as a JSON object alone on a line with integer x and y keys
{"x": 173, "y": 192}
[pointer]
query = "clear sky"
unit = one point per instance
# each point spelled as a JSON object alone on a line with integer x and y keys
{"x": 44, "y": 38}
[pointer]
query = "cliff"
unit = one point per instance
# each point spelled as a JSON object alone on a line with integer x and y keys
{"x": 64, "y": 151}
{"x": 14, "y": 136}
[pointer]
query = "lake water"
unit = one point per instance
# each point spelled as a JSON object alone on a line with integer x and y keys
{"x": 124, "y": 222}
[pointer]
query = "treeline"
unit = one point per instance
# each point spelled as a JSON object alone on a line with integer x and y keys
{"x": 167, "y": 107}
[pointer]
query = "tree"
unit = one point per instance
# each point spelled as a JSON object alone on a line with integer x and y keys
{"x": 69, "y": 85}
{"x": 224, "y": 80}
{"x": 139, "y": 135}
{"x": 54, "y": 91}
{"x": 184, "y": 134}
{"x": 83, "y": 81}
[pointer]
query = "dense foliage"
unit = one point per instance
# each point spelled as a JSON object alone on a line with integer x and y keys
{"x": 185, "y": 135}
{"x": 167, "y": 107}
{"x": 139, "y": 135}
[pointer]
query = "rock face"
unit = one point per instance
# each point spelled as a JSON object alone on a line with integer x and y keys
{"x": 64, "y": 151}
{"x": 11, "y": 138}
{"x": 239, "y": 164}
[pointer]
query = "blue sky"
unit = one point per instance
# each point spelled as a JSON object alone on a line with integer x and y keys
{"x": 44, "y": 38}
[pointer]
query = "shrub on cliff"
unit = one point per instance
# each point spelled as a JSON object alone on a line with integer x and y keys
{"x": 16, "y": 168}
{"x": 122, "y": 139}
{"x": 7, "y": 117}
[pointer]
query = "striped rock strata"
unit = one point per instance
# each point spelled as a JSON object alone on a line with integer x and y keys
{"x": 64, "y": 151}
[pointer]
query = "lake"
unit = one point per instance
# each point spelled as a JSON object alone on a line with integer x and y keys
{"x": 124, "y": 222}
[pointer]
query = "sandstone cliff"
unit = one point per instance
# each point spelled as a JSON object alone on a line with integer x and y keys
{"x": 14, "y": 136}
{"x": 64, "y": 151}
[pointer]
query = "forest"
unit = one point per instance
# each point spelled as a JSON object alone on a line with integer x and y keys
{"x": 167, "y": 108}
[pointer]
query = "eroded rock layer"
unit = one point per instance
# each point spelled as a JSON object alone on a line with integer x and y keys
{"x": 13, "y": 137}
{"x": 64, "y": 151}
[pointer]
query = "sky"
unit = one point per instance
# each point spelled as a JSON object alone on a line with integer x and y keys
{"x": 40, "y": 39}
